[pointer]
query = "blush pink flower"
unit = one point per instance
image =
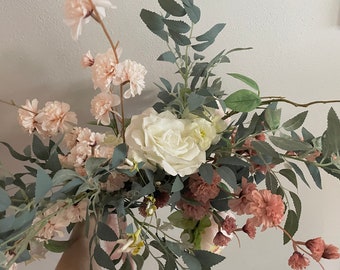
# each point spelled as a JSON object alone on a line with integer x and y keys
{"x": 297, "y": 261}
{"x": 317, "y": 247}
{"x": 78, "y": 12}
{"x": 331, "y": 252}
{"x": 104, "y": 69}
{"x": 102, "y": 105}
{"x": 229, "y": 224}
{"x": 87, "y": 60}
{"x": 249, "y": 228}
{"x": 201, "y": 190}
{"x": 27, "y": 114}
{"x": 55, "y": 117}
{"x": 132, "y": 72}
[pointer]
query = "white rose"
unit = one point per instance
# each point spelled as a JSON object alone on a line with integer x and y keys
{"x": 164, "y": 140}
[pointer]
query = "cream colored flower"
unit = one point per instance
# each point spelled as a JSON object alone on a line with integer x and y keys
{"x": 204, "y": 132}
{"x": 55, "y": 117}
{"x": 78, "y": 12}
{"x": 132, "y": 72}
{"x": 26, "y": 115}
{"x": 104, "y": 69}
{"x": 102, "y": 105}
{"x": 163, "y": 140}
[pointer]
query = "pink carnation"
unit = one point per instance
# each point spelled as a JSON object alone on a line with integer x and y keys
{"x": 221, "y": 240}
{"x": 201, "y": 190}
{"x": 249, "y": 228}
{"x": 55, "y": 117}
{"x": 101, "y": 106}
{"x": 104, "y": 69}
{"x": 331, "y": 252}
{"x": 317, "y": 247}
{"x": 27, "y": 114}
{"x": 194, "y": 210}
{"x": 297, "y": 261}
{"x": 78, "y": 12}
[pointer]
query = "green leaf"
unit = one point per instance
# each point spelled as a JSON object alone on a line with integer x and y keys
{"x": 227, "y": 175}
{"x": 272, "y": 117}
{"x": 208, "y": 259}
{"x": 179, "y": 39}
{"x": 191, "y": 261}
{"x": 167, "y": 57}
{"x": 56, "y": 246}
{"x": 92, "y": 165}
{"x": 5, "y": 200}
{"x": 172, "y": 7}
{"x": 297, "y": 203}
{"x": 177, "y": 185}
{"x": 271, "y": 182}
{"x": 155, "y": 23}
{"x": 315, "y": 173}
{"x": 193, "y": 12}
{"x": 264, "y": 148}
{"x": 177, "y": 26}
{"x": 139, "y": 260}
{"x": 195, "y": 101}
{"x": 290, "y": 175}
{"x": 15, "y": 154}
{"x": 243, "y": 101}
{"x": 102, "y": 258}
{"x": 39, "y": 149}
{"x": 295, "y": 122}
{"x": 63, "y": 176}
{"x": 201, "y": 46}
{"x": 248, "y": 81}
{"x": 291, "y": 225}
{"x": 105, "y": 232}
{"x": 212, "y": 33}
{"x": 290, "y": 144}
{"x": 178, "y": 220}
{"x": 43, "y": 185}
{"x": 6, "y": 224}
{"x": 119, "y": 155}
{"x": 206, "y": 171}
{"x": 331, "y": 138}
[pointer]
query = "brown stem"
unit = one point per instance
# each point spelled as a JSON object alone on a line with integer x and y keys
{"x": 122, "y": 112}
{"x": 12, "y": 103}
{"x": 282, "y": 99}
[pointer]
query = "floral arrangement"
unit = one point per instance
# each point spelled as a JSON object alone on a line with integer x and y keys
{"x": 205, "y": 155}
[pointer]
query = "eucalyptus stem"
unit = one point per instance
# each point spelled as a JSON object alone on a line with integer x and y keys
{"x": 296, "y": 104}
{"x": 122, "y": 112}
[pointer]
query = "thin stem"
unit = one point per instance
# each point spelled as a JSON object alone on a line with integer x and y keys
{"x": 296, "y": 104}
{"x": 122, "y": 112}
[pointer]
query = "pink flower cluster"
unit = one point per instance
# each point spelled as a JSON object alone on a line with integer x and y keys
{"x": 82, "y": 143}
{"x": 53, "y": 118}
{"x": 62, "y": 216}
{"x": 267, "y": 208}
{"x": 200, "y": 193}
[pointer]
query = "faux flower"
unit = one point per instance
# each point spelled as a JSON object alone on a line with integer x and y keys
{"x": 201, "y": 190}
{"x": 317, "y": 247}
{"x": 104, "y": 69}
{"x": 165, "y": 141}
{"x": 55, "y": 117}
{"x": 102, "y": 105}
{"x": 221, "y": 240}
{"x": 298, "y": 261}
{"x": 78, "y": 12}
{"x": 87, "y": 60}
{"x": 27, "y": 114}
{"x": 331, "y": 252}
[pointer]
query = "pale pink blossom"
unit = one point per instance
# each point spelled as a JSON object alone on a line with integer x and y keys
{"x": 78, "y": 12}
{"x": 298, "y": 261}
{"x": 115, "y": 182}
{"x": 132, "y": 72}
{"x": 104, "y": 69}
{"x": 27, "y": 114}
{"x": 201, "y": 190}
{"x": 55, "y": 117}
{"x": 87, "y": 60}
{"x": 102, "y": 105}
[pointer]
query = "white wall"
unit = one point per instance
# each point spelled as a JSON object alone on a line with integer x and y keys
{"x": 296, "y": 54}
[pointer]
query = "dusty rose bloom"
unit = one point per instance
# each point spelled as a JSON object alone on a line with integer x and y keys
{"x": 196, "y": 210}
{"x": 115, "y": 182}
{"x": 26, "y": 115}
{"x": 132, "y": 72}
{"x": 78, "y": 12}
{"x": 101, "y": 106}
{"x": 87, "y": 60}
{"x": 201, "y": 190}
{"x": 104, "y": 69}
{"x": 317, "y": 247}
{"x": 55, "y": 117}
{"x": 331, "y": 252}
{"x": 162, "y": 199}
{"x": 229, "y": 224}
{"x": 249, "y": 228}
{"x": 221, "y": 240}
{"x": 297, "y": 261}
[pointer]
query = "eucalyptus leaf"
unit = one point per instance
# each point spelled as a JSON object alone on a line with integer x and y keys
{"x": 119, "y": 155}
{"x": 271, "y": 182}
{"x": 6, "y": 224}
{"x": 179, "y": 39}
{"x": 212, "y": 33}
{"x": 264, "y": 148}
{"x": 103, "y": 259}
{"x": 227, "y": 175}
{"x": 243, "y": 101}
{"x": 15, "y": 154}
{"x": 315, "y": 173}
{"x": 208, "y": 259}
{"x": 5, "y": 200}
{"x": 43, "y": 185}
{"x": 56, "y": 246}
{"x": 331, "y": 138}
{"x": 250, "y": 82}
{"x": 155, "y": 23}
{"x": 191, "y": 261}
{"x": 64, "y": 175}
{"x": 177, "y": 26}
{"x": 291, "y": 225}
{"x": 92, "y": 165}
{"x": 167, "y": 57}
{"x": 290, "y": 144}
{"x": 201, "y": 46}
{"x": 290, "y": 175}
{"x": 193, "y": 12}
{"x": 299, "y": 172}
{"x": 39, "y": 149}
{"x": 172, "y": 7}
{"x": 207, "y": 172}
{"x": 177, "y": 185}
{"x": 105, "y": 232}
{"x": 295, "y": 122}
{"x": 195, "y": 101}
{"x": 297, "y": 203}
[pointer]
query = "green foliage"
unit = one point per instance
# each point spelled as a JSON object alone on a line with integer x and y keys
{"x": 243, "y": 101}
{"x": 5, "y": 200}
{"x": 295, "y": 122}
{"x": 56, "y": 246}
{"x": 291, "y": 225}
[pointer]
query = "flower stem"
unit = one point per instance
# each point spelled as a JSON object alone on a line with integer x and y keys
{"x": 122, "y": 112}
